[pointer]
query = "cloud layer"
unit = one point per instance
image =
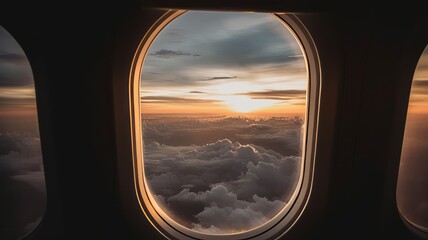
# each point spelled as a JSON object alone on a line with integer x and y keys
{"x": 221, "y": 186}
{"x": 22, "y": 184}
{"x": 280, "y": 134}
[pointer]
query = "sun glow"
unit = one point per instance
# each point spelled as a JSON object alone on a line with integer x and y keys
{"x": 244, "y": 104}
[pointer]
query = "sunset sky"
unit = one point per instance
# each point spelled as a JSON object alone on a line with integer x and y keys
{"x": 219, "y": 62}
{"x": 22, "y": 182}
{"x": 17, "y": 95}
{"x": 418, "y": 102}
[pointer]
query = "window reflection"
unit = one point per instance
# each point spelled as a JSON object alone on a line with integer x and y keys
{"x": 412, "y": 189}
{"x": 22, "y": 182}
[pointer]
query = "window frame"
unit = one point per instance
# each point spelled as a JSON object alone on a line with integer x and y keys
{"x": 288, "y": 216}
{"x": 36, "y": 225}
{"x": 416, "y": 229}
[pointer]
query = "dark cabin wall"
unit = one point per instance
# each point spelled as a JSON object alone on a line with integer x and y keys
{"x": 80, "y": 56}
{"x": 70, "y": 49}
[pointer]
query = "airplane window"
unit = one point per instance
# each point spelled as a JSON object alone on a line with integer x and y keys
{"x": 224, "y": 111}
{"x": 412, "y": 186}
{"x": 22, "y": 182}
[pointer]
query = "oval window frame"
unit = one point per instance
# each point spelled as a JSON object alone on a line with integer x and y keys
{"x": 287, "y": 217}
{"x": 415, "y": 228}
{"x": 35, "y": 225}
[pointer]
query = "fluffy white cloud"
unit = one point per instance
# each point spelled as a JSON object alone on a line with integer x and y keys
{"x": 220, "y": 186}
{"x": 221, "y": 211}
{"x": 228, "y": 219}
{"x": 23, "y": 155}
{"x": 281, "y": 134}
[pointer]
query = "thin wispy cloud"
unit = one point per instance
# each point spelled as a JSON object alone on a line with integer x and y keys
{"x": 165, "y": 99}
{"x": 420, "y": 83}
{"x": 7, "y": 57}
{"x": 296, "y": 56}
{"x": 420, "y": 87}
{"x": 219, "y": 78}
{"x": 165, "y": 53}
{"x": 278, "y": 94}
{"x": 237, "y": 48}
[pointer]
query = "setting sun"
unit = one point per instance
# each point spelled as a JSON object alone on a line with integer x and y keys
{"x": 244, "y": 104}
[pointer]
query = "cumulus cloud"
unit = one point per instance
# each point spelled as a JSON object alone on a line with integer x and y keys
{"x": 268, "y": 179}
{"x": 223, "y": 211}
{"x": 22, "y": 183}
{"x": 228, "y": 219}
{"x": 221, "y": 186}
{"x": 281, "y": 134}
{"x": 20, "y": 154}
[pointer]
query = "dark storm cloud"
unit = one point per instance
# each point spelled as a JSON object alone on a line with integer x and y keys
{"x": 165, "y": 53}
{"x": 165, "y": 99}
{"x": 278, "y": 94}
{"x": 195, "y": 92}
